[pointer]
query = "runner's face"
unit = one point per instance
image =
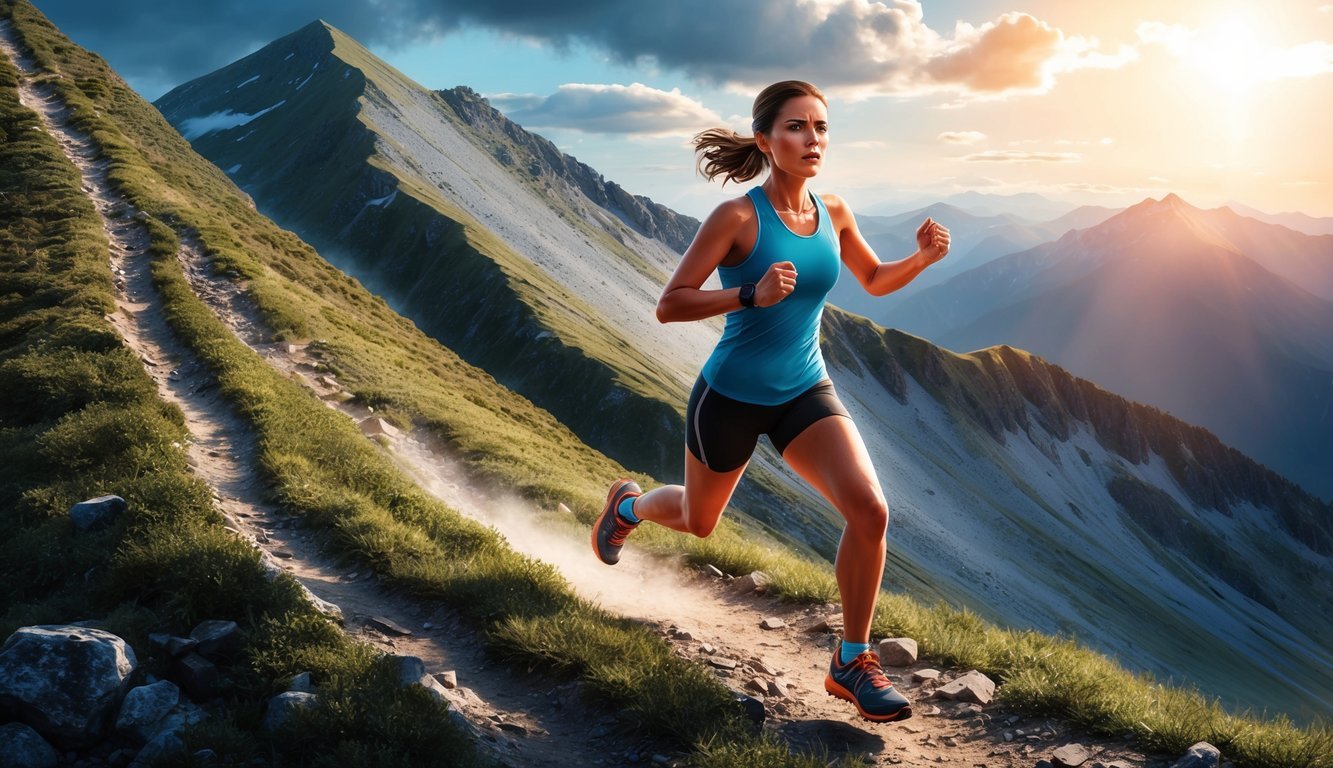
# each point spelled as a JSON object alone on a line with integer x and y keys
{"x": 799, "y": 136}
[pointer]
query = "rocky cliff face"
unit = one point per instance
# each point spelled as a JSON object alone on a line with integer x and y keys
{"x": 540, "y": 158}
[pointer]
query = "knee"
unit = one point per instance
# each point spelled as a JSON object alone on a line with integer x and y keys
{"x": 701, "y": 521}
{"x": 868, "y": 514}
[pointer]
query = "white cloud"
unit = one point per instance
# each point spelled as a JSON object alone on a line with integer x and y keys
{"x": 1017, "y": 156}
{"x": 961, "y": 137}
{"x": 618, "y": 109}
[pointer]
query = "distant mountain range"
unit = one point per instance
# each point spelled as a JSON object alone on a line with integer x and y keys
{"x": 1223, "y": 320}
{"x": 1028, "y": 495}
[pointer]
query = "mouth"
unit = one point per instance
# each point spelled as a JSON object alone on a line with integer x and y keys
{"x": 813, "y": 156}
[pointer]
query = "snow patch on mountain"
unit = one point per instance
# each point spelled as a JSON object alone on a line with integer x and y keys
{"x": 194, "y": 127}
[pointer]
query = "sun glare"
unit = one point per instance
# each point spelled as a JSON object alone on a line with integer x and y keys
{"x": 1234, "y": 53}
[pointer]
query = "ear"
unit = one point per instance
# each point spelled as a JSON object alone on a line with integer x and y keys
{"x": 762, "y": 142}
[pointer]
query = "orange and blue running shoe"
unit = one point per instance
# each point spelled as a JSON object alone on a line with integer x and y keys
{"x": 610, "y": 530}
{"x": 862, "y": 682}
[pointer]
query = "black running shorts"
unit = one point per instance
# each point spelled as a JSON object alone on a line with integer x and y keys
{"x": 722, "y": 432}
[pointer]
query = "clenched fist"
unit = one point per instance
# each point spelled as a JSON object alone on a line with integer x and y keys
{"x": 776, "y": 284}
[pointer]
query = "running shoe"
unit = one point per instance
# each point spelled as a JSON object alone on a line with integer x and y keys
{"x": 610, "y": 530}
{"x": 862, "y": 682}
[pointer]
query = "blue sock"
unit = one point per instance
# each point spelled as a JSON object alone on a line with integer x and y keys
{"x": 626, "y": 510}
{"x": 850, "y": 651}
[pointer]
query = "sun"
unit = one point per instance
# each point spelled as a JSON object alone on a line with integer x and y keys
{"x": 1234, "y": 53}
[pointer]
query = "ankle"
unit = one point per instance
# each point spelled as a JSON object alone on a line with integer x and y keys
{"x": 848, "y": 651}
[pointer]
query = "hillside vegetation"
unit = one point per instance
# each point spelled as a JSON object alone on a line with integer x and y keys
{"x": 325, "y": 471}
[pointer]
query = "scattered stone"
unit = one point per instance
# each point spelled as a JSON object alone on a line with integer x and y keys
{"x": 1070, "y": 756}
{"x": 764, "y": 668}
{"x": 216, "y": 637}
{"x": 301, "y": 684}
{"x": 388, "y": 626}
{"x": 1112, "y": 764}
{"x": 145, "y": 707}
{"x": 564, "y": 510}
{"x": 826, "y": 624}
{"x": 707, "y": 649}
{"x": 922, "y": 675}
{"x": 174, "y": 646}
{"x": 949, "y": 741}
{"x": 897, "y": 652}
{"x": 197, "y": 676}
{"x": 973, "y": 686}
{"x": 511, "y": 727}
{"x": 22, "y": 747}
{"x": 411, "y": 670}
{"x": 753, "y": 708}
{"x": 283, "y": 706}
{"x": 772, "y": 622}
{"x": 682, "y": 635}
{"x": 721, "y": 662}
{"x": 778, "y": 688}
{"x": 1043, "y": 764}
{"x": 323, "y": 606}
{"x": 714, "y": 571}
{"x": 166, "y": 743}
{"x": 1008, "y": 735}
{"x": 757, "y": 581}
{"x": 448, "y": 679}
{"x": 96, "y": 513}
{"x": 64, "y": 681}
{"x": 1200, "y": 755}
{"x": 375, "y": 426}
{"x": 758, "y": 685}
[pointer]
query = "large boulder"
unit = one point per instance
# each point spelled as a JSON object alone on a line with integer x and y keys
{"x": 65, "y": 681}
{"x": 1200, "y": 755}
{"x": 283, "y": 706}
{"x": 22, "y": 747}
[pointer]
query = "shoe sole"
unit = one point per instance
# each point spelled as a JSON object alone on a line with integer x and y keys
{"x": 837, "y": 691}
{"x": 609, "y": 508}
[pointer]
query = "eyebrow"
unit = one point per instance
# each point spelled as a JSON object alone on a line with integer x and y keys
{"x": 801, "y": 121}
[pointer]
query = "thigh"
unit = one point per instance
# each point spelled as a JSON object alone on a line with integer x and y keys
{"x": 707, "y": 494}
{"x": 721, "y": 433}
{"x": 831, "y": 456}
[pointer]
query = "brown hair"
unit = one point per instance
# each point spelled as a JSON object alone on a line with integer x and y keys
{"x": 723, "y": 152}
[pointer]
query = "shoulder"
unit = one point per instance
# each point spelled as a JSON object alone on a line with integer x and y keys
{"x": 838, "y": 210}
{"x": 734, "y": 213}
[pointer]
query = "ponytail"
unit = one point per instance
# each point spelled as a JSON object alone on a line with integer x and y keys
{"x": 723, "y": 152}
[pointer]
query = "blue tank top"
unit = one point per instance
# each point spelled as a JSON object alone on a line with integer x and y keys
{"x": 769, "y": 355}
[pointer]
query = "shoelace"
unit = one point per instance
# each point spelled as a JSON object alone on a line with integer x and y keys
{"x": 868, "y": 665}
{"x": 617, "y": 537}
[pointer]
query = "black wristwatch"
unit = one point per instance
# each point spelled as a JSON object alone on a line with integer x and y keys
{"x": 747, "y": 295}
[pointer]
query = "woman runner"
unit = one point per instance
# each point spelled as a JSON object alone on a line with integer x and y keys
{"x": 777, "y": 250}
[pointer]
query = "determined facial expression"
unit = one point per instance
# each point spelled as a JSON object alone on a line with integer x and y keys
{"x": 798, "y": 138}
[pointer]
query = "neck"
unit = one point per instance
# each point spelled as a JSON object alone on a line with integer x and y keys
{"x": 787, "y": 193}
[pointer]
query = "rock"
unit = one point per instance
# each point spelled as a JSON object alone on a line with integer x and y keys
{"x": 922, "y": 675}
{"x": 973, "y": 686}
{"x": 826, "y": 624}
{"x": 1200, "y": 755}
{"x": 714, "y": 571}
{"x": 144, "y": 707}
{"x": 752, "y": 707}
{"x": 216, "y": 638}
{"x": 410, "y": 670}
{"x": 758, "y": 685}
{"x": 301, "y": 683}
{"x": 283, "y": 706}
{"x": 564, "y": 510}
{"x": 757, "y": 581}
{"x": 707, "y": 649}
{"x": 772, "y": 622}
{"x": 763, "y": 667}
{"x": 164, "y": 744}
{"x": 388, "y": 626}
{"x": 1113, "y": 764}
{"x": 448, "y": 679}
{"x": 330, "y": 610}
{"x": 1070, "y": 756}
{"x": 64, "y": 681}
{"x": 176, "y": 646}
{"x": 375, "y": 425}
{"x": 722, "y": 662}
{"x": 683, "y": 635}
{"x": 197, "y": 676}
{"x": 96, "y": 513}
{"x": 22, "y": 747}
{"x": 778, "y": 688}
{"x": 897, "y": 652}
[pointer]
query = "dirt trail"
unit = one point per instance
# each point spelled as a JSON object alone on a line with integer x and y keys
{"x": 521, "y": 719}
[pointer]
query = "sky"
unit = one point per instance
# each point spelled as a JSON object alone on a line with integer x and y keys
{"x": 1082, "y": 102}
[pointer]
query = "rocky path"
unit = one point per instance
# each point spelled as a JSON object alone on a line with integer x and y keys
{"x": 521, "y": 719}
